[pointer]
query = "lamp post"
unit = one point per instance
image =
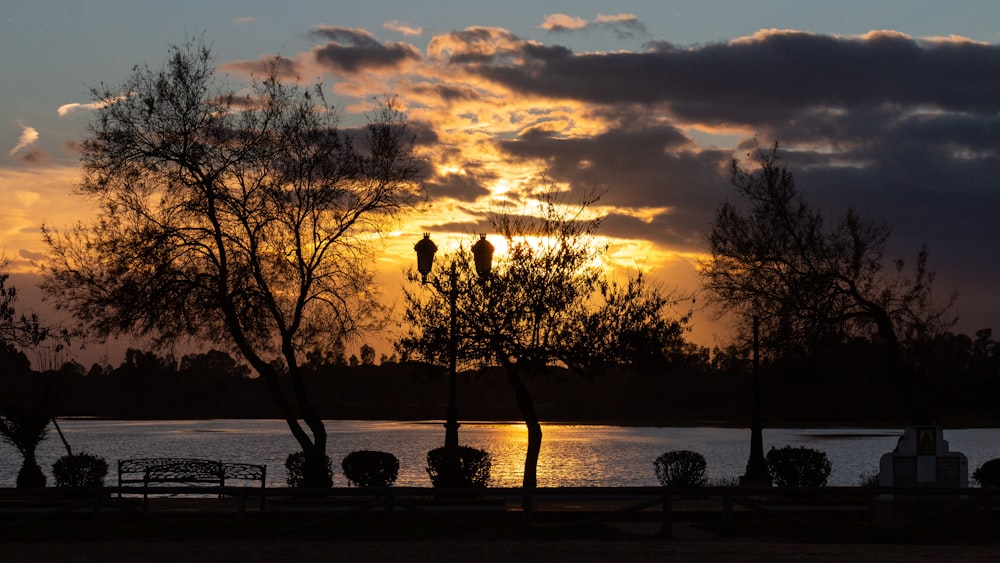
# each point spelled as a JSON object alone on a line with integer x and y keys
{"x": 756, "y": 474}
{"x": 482, "y": 253}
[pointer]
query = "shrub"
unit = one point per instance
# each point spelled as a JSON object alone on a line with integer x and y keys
{"x": 370, "y": 469}
{"x": 463, "y": 466}
{"x": 868, "y": 479}
{"x": 798, "y": 467}
{"x": 681, "y": 468}
{"x": 724, "y": 482}
{"x": 988, "y": 474}
{"x": 295, "y": 470}
{"x": 80, "y": 470}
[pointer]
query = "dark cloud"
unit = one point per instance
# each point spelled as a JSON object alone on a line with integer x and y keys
{"x": 355, "y": 50}
{"x": 32, "y": 256}
{"x": 778, "y": 74}
{"x": 34, "y": 156}
{"x": 463, "y": 187}
{"x": 447, "y": 92}
{"x": 284, "y": 67}
{"x": 905, "y": 131}
{"x": 647, "y": 167}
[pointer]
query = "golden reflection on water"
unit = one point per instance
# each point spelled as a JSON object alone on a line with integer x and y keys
{"x": 568, "y": 454}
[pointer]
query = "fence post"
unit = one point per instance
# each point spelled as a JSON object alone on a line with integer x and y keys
{"x": 526, "y": 508}
{"x": 727, "y": 511}
{"x": 667, "y": 525}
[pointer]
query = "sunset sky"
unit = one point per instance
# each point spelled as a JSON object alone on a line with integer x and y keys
{"x": 892, "y": 107}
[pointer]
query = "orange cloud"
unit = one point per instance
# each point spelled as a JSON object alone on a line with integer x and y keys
{"x": 403, "y": 28}
{"x": 562, "y": 22}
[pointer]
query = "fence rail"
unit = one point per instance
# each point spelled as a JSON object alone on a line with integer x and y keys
{"x": 566, "y": 507}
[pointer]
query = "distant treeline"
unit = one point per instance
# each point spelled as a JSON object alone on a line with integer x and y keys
{"x": 957, "y": 378}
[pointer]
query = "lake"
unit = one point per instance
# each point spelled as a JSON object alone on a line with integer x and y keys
{"x": 572, "y": 455}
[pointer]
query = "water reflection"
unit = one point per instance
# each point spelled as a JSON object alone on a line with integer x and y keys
{"x": 571, "y": 455}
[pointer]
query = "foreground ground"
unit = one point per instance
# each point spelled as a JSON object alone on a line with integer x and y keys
{"x": 458, "y": 550}
{"x": 563, "y": 529}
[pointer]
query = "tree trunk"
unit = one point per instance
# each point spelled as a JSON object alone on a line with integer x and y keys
{"x": 30, "y": 475}
{"x": 524, "y": 403}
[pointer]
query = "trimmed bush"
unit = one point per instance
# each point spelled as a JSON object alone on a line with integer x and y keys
{"x": 80, "y": 470}
{"x": 988, "y": 474}
{"x": 798, "y": 467}
{"x": 868, "y": 479}
{"x": 463, "y": 467}
{"x": 367, "y": 468}
{"x": 295, "y": 470}
{"x": 680, "y": 468}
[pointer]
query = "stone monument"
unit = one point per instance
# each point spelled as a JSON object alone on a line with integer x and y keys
{"x": 921, "y": 458}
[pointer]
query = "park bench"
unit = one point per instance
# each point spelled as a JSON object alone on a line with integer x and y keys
{"x": 186, "y": 471}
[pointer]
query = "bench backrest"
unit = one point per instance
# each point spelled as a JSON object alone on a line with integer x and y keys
{"x": 186, "y": 470}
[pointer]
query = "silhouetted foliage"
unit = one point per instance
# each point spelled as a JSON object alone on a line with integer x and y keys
{"x": 461, "y": 467}
{"x": 812, "y": 285}
{"x": 236, "y": 218}
{"x": 367, "y": 468}
{"x": 680, "y": 468}
{"x": 988, "y": 474}
{"x": 295, "y": 471}
{"x": 367, "y": 355}
{"x": 868, "y": 479}
{"x": 214, "y": 363}
{"x": 25, "y": 428}
{"x": 540, "y": 305}
{"x": 798, "y": 467}
{"x": 80, "y": 470}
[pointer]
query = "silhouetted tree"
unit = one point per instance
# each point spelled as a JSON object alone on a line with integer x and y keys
{"x": 24, "y": 408}
{"x": 243, "y": 219}
{"x": 145, "y": 364}
{"x": 810, "y": 284}
{"x": 532, "y": 309}
{"x": 367, "y": 355}
{"x": 215, "y": 363}
{"x": 24, "y": 426}
{"x": 17, "y": 329}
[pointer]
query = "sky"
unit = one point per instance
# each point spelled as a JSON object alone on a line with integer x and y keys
{"x": 890, "y": 107}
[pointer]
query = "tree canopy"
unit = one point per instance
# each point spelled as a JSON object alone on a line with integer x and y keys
{"x": 241, "y": 217}
{"x": 546, "y": 301}
{"x": 810, "y": 283}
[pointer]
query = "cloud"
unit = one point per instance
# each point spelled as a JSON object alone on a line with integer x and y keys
{"x": 28, "y": 136}
{"x": 403, "y": 28}
{"x": 244, "y": 20}
{"x": 286, "y": 68}
{"x": 35, "y": 156}
{"x": 622, "y": 25}
{"x": 32, "y": 256}
{"x": 562, "y": 22}
{"x": 66, "y": 109}
{"x": 904, "y": 129}
{"x": 353, "y": 51}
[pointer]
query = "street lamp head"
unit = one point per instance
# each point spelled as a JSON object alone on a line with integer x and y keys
{"x": 425, "y": 248}
{"x": 482, "y": 253}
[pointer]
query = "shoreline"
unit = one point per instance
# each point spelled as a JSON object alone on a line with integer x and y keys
{"x": 643, "y": 423}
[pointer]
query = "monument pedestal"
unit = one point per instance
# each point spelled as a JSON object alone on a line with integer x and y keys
{"x": 922, "y": 458}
